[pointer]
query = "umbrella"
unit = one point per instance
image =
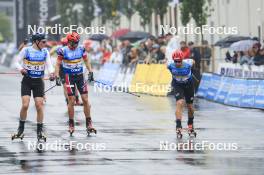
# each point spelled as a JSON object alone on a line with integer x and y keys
{"x": 119, "y": 33}
{"x": 243, "y": 45}
{"x": 135, "y": 36}
{"x": 98, "y": 37}
{"x": 227, "y": 41}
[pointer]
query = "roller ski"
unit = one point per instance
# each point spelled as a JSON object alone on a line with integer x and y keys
{"x": 179, "y": 132}
{"x": 17, "y": 136}
{"x": 90, "y": 129}
{"x": 191, "y": 131}
{"x": 20, "y": 131}
{"x": 71, "y": 127}
{"x": 41, "y": 137}
{"x": 40, "y": 134}
{"x": 178, "y": 129}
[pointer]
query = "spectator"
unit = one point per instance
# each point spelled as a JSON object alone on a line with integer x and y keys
{"x": 207, "y": 52}
{"x": 245, "y": 58}
{"x": 185, "y": 50}
{"x": 133, "y": 58}
{"x": 259, "y": 58}
{"x": 195, "y": 55}
{"x": 116, "y": 56}
{"x": 162, "y": 55}
{"x": 126, "y": 47}
{"x": 235, "y": 57}
{"x": 228, "y": 57}
{"x": 143, "y": 52}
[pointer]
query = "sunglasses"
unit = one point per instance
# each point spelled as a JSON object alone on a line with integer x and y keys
{"x": 44, "y": 41}
{"x": 178, "y": 61}
{"x": 73, "y": 43}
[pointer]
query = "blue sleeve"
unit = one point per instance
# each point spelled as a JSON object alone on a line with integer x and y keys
{"x": 59, "y": 51}
{"x": 169, "y": 67}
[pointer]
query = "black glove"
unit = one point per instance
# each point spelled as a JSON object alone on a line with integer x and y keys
{"x": 58, "y": 81}
{"x": 90, "y": 77}
{"x": 52, "y": 77}
{"x": 24, "y": 72}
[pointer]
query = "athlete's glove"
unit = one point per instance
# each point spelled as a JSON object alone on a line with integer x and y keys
{"x": 58, "y": 81}
{"x": 24, "y": 72}
{"x": 90, "y": 77}
{"x": 52, "y": 77}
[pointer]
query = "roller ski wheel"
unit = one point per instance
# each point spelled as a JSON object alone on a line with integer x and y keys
{"x": 91, "y": 130}
{"x": 71, "y": 130}
{"x": 179, "y": 133}
{"x": 17, "y": 136}
{"x": 191, "y": 131}
{"x": 42, "y": 137}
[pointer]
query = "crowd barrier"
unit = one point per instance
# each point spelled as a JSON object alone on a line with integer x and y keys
{"x": 152, "y": 79}
{"x": 232, "y": 91}
{"x": 241, "y": 71}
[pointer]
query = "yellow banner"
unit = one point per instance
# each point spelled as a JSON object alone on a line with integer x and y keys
{"x": 154, "y": 79}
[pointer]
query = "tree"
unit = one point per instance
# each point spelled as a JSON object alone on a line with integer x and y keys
{"x": 200, "y": 12}
{"x": 198, "y": 9}
{"x": 185, "y": 12}
{"x": 78, "y": 12}
{"x": 145, "y": 10}
{"x": 128, "y": 9}
{"x": 5, "y": 27}
{"x": 160, "y": 8}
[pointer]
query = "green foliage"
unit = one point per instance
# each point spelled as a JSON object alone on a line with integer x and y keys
{"x": 199, "y": 10}
{"x": 145, "y": 9}
{"x": 71, "y": 16}
{"x": 5, "y": 27}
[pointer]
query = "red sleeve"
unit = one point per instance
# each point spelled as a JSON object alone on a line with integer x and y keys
{"x": 186, "y": 53}
{"x": 85, "y": 57}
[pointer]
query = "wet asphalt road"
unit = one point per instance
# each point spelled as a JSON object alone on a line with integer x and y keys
{"x": 130, "y": 132}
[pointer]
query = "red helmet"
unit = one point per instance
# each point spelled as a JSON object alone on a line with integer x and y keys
{"x": 74, "y": 36}
{"x": 177, "y": 55}
{"x": 64, "y": 41}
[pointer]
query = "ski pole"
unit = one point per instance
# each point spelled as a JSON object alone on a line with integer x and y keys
{"x": 50, "y": 88}
{"x": 131, "y": 93}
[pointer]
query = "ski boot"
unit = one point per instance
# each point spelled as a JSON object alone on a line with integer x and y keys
{"x": 40, "y": 134}
{"x": 71, "y": 127}
{"x": 179, "y": 132}
{"x": 89, "y": 127}
{"x": 178, "y": 129}
{"x": 191, "y": 131}
{"x": 20, "y": 131}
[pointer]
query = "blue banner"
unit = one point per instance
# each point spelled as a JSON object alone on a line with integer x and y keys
{"x": 204, "y": 85}
{"x": 214, "y": 86}
{"x": 232, "y": 91}
{"x": 108, "y": 73}
{"x": 223, "y": 90}
{"x": 259, "y": 97}
{"x": 235, "y": 93}
{"x": 248, "y": 97}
